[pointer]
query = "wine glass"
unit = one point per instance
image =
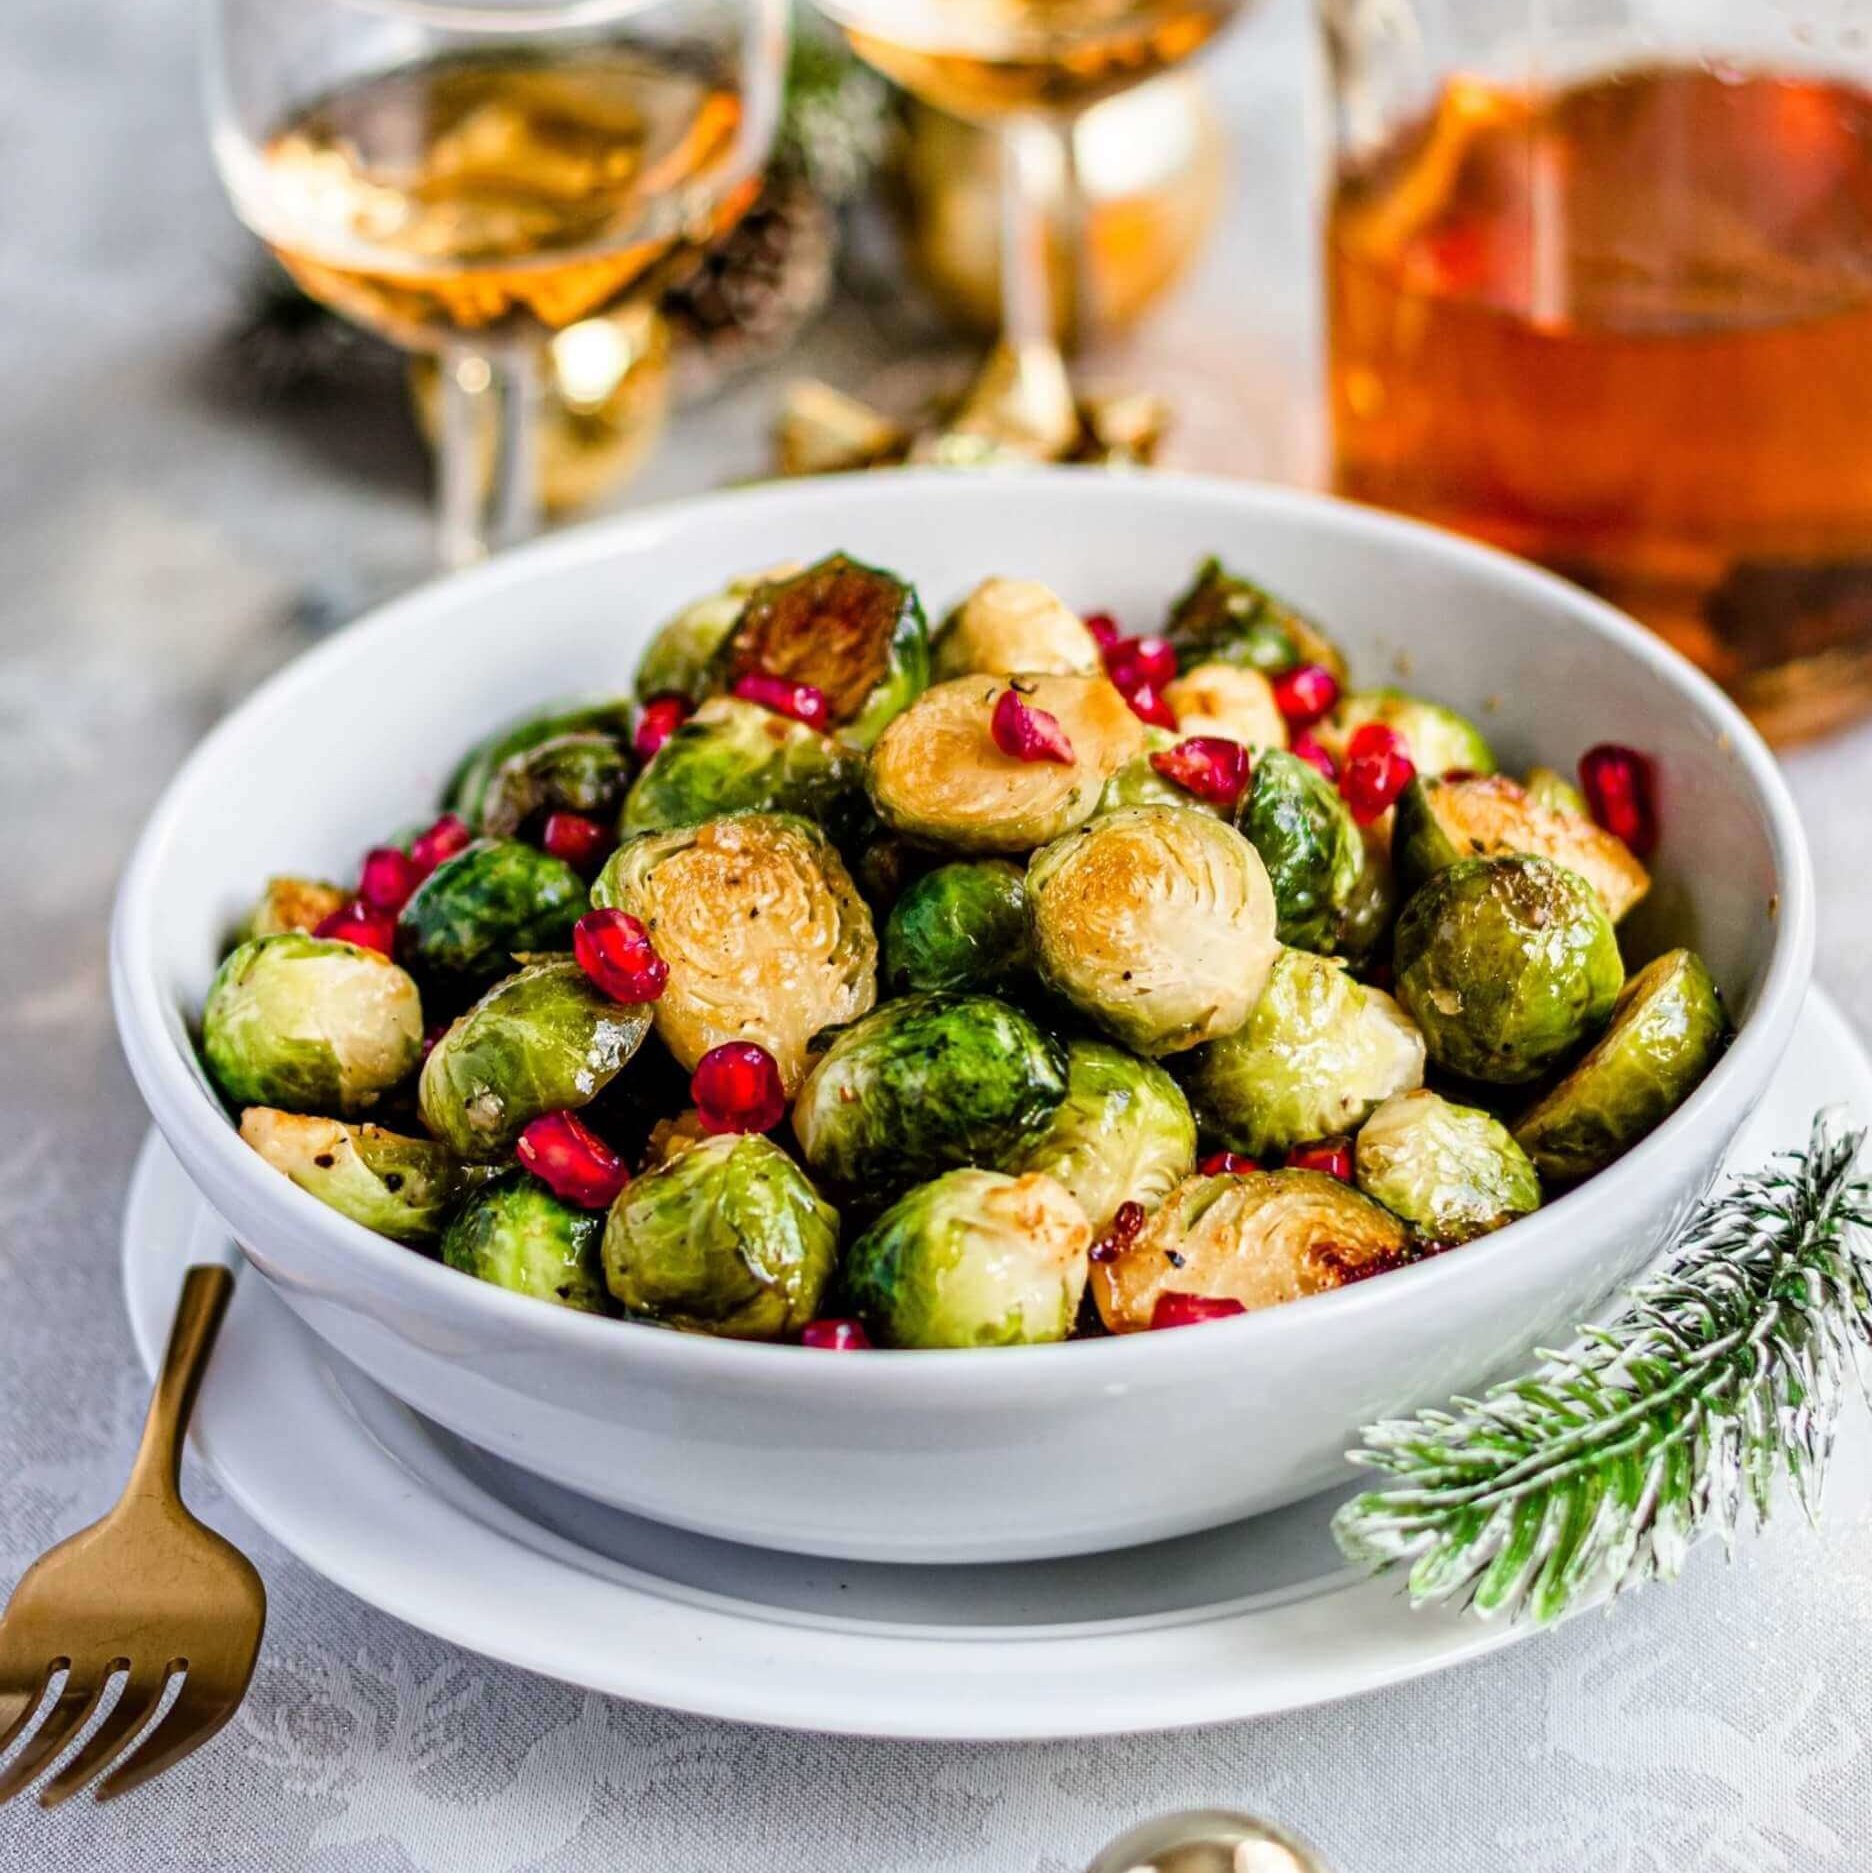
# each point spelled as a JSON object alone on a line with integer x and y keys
{"x": 473, "y": 179}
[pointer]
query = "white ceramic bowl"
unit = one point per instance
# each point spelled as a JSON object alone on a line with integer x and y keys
{"x": 960, "y": 1456}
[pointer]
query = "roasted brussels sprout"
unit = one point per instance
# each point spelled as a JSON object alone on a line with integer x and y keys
{"x": 1319, "y": 1053}
{"x": 1441, "y": 821}
{"x": 1122, "y": 1134}
{"x": 1437, "y": 739}
{"x": 1507, "y": 965}
{"x": 961, "y": 926}
{"x": 494, "y": 900}
{"x": 680, "y": 660}
{"x": 580, "y": 773}
{"x": 466, "y": 792}
{"x": 726, "y": 1237}
{"x": 309, "y": 1024}
{"x": 856, "y": 634}
{"x": 401, "y": 1187}
{"x": 1014, "y": 627}
{"x": 1138, "y": 783}
{"x": 545, "y": 1040}
{"x": 1260, "y": 1239}
{"x": 292, "y": 904}
{"x": 1452, "y": 1172}
{"x": 924, "y": 1083}
{"x": 1155, "y": 922}
{"x": 515, "y": 1233}
{"x": 936, "y": 774}
{"x": 736, "y": 757}
{"x": 973, "y": 1259}
{"x": 1225, "y": 619}
{"x": 1666, "y": 1033}
{"x": 1229, "y": 700}
{"x": 1548, "y": 787}
{"x": 765, "y": 935}
{"x": 1312, "y": 848}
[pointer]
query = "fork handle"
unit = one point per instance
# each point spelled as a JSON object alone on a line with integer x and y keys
{"x": 158, "y": 1467}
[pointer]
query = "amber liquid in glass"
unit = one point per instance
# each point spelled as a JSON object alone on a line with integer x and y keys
{"x": 1626, "y": 329}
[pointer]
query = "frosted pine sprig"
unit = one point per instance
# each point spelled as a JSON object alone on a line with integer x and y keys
{"x": 1597, "y": 1472}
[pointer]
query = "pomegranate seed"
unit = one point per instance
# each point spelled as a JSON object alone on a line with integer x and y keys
{"x": 1139, "y": 662}
{"x": 1209, "y": 766}
{"x": 657, "y": 721}
{"x": 362, "y": 924}
{"x": 387, "y": 879}
{"x": 736, "y": 1088}
{"x": 1228, "y": 1164}
{"x": 579, "y": 841}
{"x": 1027, "y": 733}
{"x": 836, "y": 1336}
{"x": 572, "y": 1161}
{"x": 1459, "y": 773}
{"x": 1331, "y": 1155}
{"x": 1377, "y": 770}
{"x": 1105, "y": 631}
{"x": 442, "y": 841}
{"x": 1120, "y": 1232}
{"x": 1148, "y": 706}
{"x": 1620, "y": 785}
{"x": 1314, "y": 755}
{"x": 799, "y": 700}
{"x": 614, "y": 949}
{"x": 1305, "y": 693}
{"x": 1191, "y": 1310}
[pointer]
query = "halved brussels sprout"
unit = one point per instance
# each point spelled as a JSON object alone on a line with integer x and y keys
{"x": 973, "y": 1259}
{"x": 1437, "y": 739}
{"x": 1260, "y": 1239}
{"x": 310, "y": 1024}
{"x": 290, "y": 903}
{"x": 580, "y": 773}
{"x": 1666, "y": 1033}
{"x": 936, "y": 774}
{"x": 856, "y": 634}
{"x": 1137, "y": 783}
{"x": 1507, "y": 964}
{"x": 1229, "y": 700}
{"x": 1548, "y": 787}
{"x": 1318, "y": 1055}
{"x": 466, "y": 792}
{"x": 515, "y": 1233}
{"x": 494, "y": 900}
{"x": 765, "y": 935}
{"x": 1452, "y": 1172}
{"x": 1123, "y": 1133}
{"x": 736, "y": 757}
{"x": 1441, "y": 821}
{"x": 1157, "y": 923}
{"x": 726, "y": 1237}
{"x": 680, "y": 660}
{"x": 924, "y": 1083}
{"x": 1014, "y": 627}
{"x": 402, "y": 1188}
{"x": 545, "y": 1040}
{"x": 961, "y": 926}
{"x": 1225, "y": 619}
{"x": 1311, "y": 845}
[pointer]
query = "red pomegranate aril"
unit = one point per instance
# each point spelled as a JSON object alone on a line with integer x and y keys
{"x": 1620, "y": 785}
{"x": 657, "y": 721}
{"x": 736, "y": 1088}
{"x": 581, "y": 842}
{"x": 615, "y": 951}
{"x": 1377, "y": 769}
{"x": 1333, "y": 1156}
{"x": 801, "y": 701}
{"x": 1141, "y": 662}
{"x": 1191, "y": 1310}
{"x": 1228, "y": 1164}
{"x": 1149, "y": 706}
{"x": 1305, "y": 693}
{"x": 387, "y": 878}
{"x": 1027, "y": 733}
{"x": 362, "y": 924}
{"x": 1314, "y": 754}
{"x": 1127, "y": 1219}
{"x": 572, "y": 1161}
{"x": 1105, "y": 632}
{"x": 1211, "y": 767}
{"x": 836, "y": 1336}
{"x": 442, "y": 841}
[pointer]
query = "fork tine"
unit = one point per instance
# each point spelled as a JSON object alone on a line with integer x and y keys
{"x": 186, "y": 1725}
{"x": 63, "y": 1721}
{"x": 142, "y": 1692}
{"x": 17, "y": 1707}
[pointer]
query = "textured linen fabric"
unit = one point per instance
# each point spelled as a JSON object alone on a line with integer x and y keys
{"x": 165, "y": 544}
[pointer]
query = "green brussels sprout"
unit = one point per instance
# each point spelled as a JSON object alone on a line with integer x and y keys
{"x": 1229, "y": 700}
{"x": 1311, "y": 845}
{"x": 726, "y": 1237}
{"x": 515, "y": 1233}
{"x": 1014, "y": 627}
{"x": 924, "y": 1083}
{"x": 545, "y": 1040}
{"x": 1225, "y": 619}
{"x": 975, "y": 1258}
{"x": 1550, "y": 788}
{"x": 765, "y": 935}
{"x": 1441, "y": 821}
{"x": 467, "y": 788}
{"x": 937, "y": 776}
{"x": 1261, "y": 1239}
{"x": 580, "y": 773}
{"x": 884, "y": 867}
{"x": 736, "y": 757}
{"x": 290, "y": 903}
{"x": 310, "y": 1024}
{"x": 494, "y": 900}
{"x": 1156, "y": 922}
{"x": 680, "y": 659}
{"x": 1666, "y": 1033}
{"x": 1452, "y": 1172}
{"x": 1318, "y": 1055}
{"x": 1138, "y": 783}
{"x": 961, "y": 926}
{"x": 1123, "y": 1133}
{"x": 1437, "y": 739}
{"x": 1507, "y": 965}
{"x": 856, "y": 634}
{"x": 402, "y": 1188}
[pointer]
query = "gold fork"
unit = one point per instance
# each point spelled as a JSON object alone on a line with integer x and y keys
{"x": 147, "y": 1591}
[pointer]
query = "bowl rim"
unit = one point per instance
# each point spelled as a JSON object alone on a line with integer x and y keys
{"x": 213, "y": 1152}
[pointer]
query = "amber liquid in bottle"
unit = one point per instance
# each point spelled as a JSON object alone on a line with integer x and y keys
{"x": 1626, "y": 329}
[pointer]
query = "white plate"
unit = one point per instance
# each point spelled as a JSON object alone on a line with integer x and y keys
{"x": 1240, "y": 1622}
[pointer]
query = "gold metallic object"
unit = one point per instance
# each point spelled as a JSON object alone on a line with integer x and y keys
{"x": 147, "y": 1591}
{"x": 1208, "y": 1840}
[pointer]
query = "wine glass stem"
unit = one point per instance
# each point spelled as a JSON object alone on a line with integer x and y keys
{"x": 488, "y": 479}
{"x": 1037, "y": 197}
